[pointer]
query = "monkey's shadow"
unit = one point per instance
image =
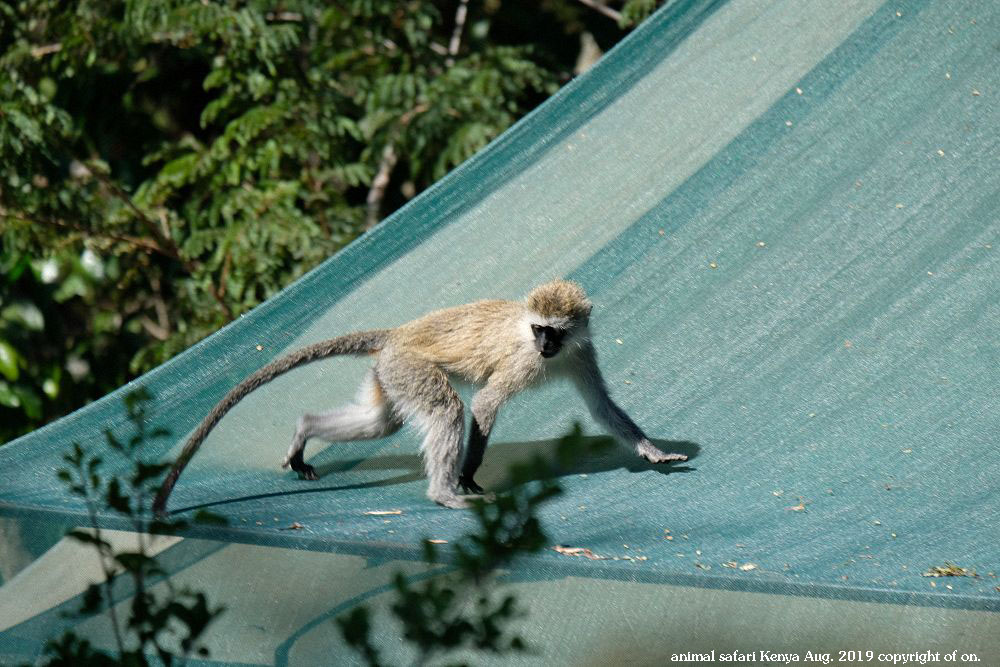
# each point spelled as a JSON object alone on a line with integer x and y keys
{"x": 594, "y": 457}
{"x": 492, "y": 476}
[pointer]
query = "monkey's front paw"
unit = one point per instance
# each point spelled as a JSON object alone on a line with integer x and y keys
{"x": 664, "y": 457}
{"x": 654, "y": 455}
{"x": 469, "y": 485}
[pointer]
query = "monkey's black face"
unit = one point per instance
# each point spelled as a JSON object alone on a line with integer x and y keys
{"x": 548, "y": 340}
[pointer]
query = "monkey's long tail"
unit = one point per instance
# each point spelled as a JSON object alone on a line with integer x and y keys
{"x": 355, "y": 343}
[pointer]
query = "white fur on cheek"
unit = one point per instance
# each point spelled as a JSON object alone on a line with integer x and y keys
{"x": 524, "y": 329}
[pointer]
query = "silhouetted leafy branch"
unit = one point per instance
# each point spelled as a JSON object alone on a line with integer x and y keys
{"x": 165, "y": 625}
{"x": 463, "y": 609}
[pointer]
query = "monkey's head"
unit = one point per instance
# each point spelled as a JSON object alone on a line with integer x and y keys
{"x": 559, "y": 309}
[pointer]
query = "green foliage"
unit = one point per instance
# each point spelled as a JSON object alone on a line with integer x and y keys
{"x": 50, "y": 341}
{"x": 166, "y": 165}
{"x": 635, "y": 12}
{"x": 164, "y": 625}
{"x": 463, "y": 610}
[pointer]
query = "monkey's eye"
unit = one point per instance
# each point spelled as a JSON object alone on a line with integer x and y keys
{"x": 537, "y": 329}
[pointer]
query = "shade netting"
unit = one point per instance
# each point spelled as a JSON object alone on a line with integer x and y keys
{"x": 787, "y": 214}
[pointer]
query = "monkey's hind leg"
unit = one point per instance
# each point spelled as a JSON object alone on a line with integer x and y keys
{"x": 369, "y": 416}
{"x": 421, "y": 391}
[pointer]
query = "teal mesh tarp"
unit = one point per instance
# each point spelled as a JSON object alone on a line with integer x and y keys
{"x": 786, "y": 214}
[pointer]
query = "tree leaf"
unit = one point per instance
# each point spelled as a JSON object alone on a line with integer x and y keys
{"x": 9, "y": 359}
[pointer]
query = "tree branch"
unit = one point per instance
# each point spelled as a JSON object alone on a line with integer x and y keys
{"x": 456, "y": 35}
{"x": 137, "y": 241}
{"x": 162, "y": 239}
{"x": 381, "y": 181}
{"x": 154, "y": 329}
{"x": 39, "y": 52}
{"x": 224, "y": 276}
{"x": 603, "y": 9}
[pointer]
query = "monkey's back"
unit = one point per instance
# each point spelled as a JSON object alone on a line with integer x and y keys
{"x": 472, "y": 340}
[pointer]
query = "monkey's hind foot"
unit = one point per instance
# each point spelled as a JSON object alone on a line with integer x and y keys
{"x": 298, "y": 464}
{"x": 469, "y": 485}
{"x": 450, "y": 500}
{"x": 307, "y": 472}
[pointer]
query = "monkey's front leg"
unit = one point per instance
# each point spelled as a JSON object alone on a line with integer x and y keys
{"x": 605, "y": 411}
{"x": 473, "y": 459}
{"x": 485, "y": 406}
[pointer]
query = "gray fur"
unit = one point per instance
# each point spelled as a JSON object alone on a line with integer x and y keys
{"x": 419, "y": 391}
{"x": 368, "y": 417}
{"x": 606, "y": 412}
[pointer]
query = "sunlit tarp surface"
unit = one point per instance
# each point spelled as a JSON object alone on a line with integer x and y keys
{"x": 786, "y": 213}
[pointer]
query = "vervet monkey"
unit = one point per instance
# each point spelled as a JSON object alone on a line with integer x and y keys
{"x": 501, "y": 346}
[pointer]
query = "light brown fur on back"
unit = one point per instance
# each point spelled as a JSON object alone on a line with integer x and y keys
{"x": 463, "y": 339}
{"x": 466, "y": 340}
